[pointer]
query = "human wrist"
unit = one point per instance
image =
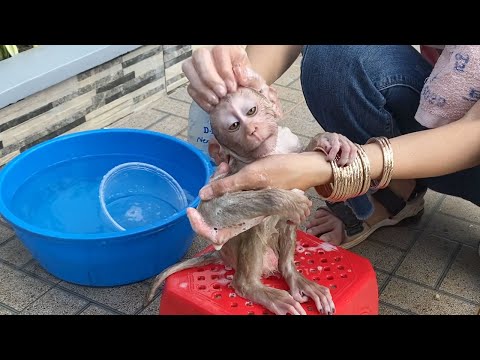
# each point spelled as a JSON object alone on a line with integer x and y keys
{"x": 317, "y": 169}
{"x": 356, "y": 179}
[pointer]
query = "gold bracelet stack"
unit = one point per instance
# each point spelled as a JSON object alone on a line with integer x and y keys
{"x": 354, "y": 180}
{"x": 387, "y": 162}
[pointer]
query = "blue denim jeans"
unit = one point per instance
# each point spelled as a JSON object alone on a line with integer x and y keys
{"x": 362, "y": 91}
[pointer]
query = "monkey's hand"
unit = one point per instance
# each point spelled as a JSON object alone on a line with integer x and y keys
{"x": 334, "y": 144}
{"x": 297, "y": 207}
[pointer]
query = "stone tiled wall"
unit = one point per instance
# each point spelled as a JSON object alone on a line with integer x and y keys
{"x": 173, "y": 57}
{"x": 92, "y": 99}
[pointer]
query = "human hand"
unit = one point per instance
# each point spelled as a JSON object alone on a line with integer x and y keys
{"x": 290, "y": 171}
{"x": 334, "y": 144}
{"x": 214, "y": 72}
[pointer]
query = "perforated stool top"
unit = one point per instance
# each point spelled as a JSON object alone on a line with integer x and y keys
{"x": 207, "y": 289}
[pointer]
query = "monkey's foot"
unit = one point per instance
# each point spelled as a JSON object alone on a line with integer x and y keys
{"x": 280, "y": 302}
{"x": 218, "y": 236}
{"x": 301, "y": 289}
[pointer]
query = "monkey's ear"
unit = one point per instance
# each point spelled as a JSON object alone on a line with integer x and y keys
{"x": 216, "y": 152}
{"x": 271, "y": 93}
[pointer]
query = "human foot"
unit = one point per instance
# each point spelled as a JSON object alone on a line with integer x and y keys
{"x": 338, "y": 225}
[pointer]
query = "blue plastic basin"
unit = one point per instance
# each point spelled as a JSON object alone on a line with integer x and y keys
{"x": 67, "y": 237}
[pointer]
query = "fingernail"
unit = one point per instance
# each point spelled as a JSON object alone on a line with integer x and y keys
{"x": 213, "y": 100}
{"x": 230, "y": 85}
{"x": 206, "y": 193}
{"x": 220, "y": 90}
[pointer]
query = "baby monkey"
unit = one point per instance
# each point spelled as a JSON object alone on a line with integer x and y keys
{"x": 254, "y": 232}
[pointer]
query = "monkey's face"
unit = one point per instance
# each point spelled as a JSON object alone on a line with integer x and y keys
{"x": 246, "y": 123}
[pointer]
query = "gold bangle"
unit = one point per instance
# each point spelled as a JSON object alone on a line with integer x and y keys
{"x": 364, "y": 165}
{"x": 348, "y": 181}
{"x": 387, "y": 172}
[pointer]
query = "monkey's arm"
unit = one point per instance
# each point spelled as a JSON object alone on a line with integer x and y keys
{"x": 222, "y": 218}
{"x": 232, "y": 208}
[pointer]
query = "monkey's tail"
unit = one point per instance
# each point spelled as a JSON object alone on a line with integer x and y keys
{"x": 206, "y": 259}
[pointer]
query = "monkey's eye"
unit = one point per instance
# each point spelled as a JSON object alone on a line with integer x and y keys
{"x": 252, "y": 111}
{"x": 234, "y": 126}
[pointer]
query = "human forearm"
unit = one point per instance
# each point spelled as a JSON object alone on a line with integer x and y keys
{"x": 271, "y": 61}
{"x": 435, "y": 152}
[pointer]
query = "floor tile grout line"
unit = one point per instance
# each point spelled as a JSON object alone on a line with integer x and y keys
{"x": 450, "y": 262}
{"x": 9, "y": 308}
{"x": 159, "y": 293}
{"x": 167, "y": 115}
{"x": 163, "y": 117}
{"x": 166, "y": 111}
{"x": 433, "y": 211}
{"x": 7, "y": 241}
{"x": 16, "y": 267}
{"x": 419, "y": 234}
{"x": 287, "y": 87}
{"x": 393, "y": 246}
{"x": 57, "y": 285}
{"x": 79, "y": 312}
{"x": 158, "y": 110}
{"x": 184, "y": 101}
{"x": 106, "y": 307}
{"x": 83, "y": 297}
{"x": 34, "y": 301}
{"x": 414, "y": 241}
{"x": 28, "y": 273}
{"x": 456, "y": 242}
{"x": 291, "y": 82}
{"x": 27, "y": 264}
{"x": 387, "y": 274}
{"x": 116, "y": 121}
{"x": 459, "y": 218}
{"x": 428, "y": 287}
{"x": 22, "y": 269}
{"x": 451, "y": 240}
{"x": 396, "y": 307}
{"x": 289, "y": 111}
{"x": 178, "y": 134}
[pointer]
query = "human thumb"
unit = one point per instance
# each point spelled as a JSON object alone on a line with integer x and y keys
{"x": 220, "y": 187}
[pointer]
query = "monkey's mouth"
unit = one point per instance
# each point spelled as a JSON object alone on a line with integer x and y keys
{"x": 260, "y": 144}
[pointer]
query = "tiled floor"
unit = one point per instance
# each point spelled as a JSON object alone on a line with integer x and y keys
{"x": 428, "y": 267}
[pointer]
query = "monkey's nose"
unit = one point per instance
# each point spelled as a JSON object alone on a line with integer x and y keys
{"x": 252, "y": 129}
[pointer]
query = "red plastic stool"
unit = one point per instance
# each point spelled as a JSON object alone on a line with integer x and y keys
{"x": 206, "y": 290}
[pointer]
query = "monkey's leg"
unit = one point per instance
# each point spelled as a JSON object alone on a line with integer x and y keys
{"x": 220, "y": 219}
{"x": 300, "y": 287}
{"x": 247, "y": 279}
{"x": 209, "y": 258}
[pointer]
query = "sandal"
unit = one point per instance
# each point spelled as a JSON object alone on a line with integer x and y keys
{"x": 357, "y": 230}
